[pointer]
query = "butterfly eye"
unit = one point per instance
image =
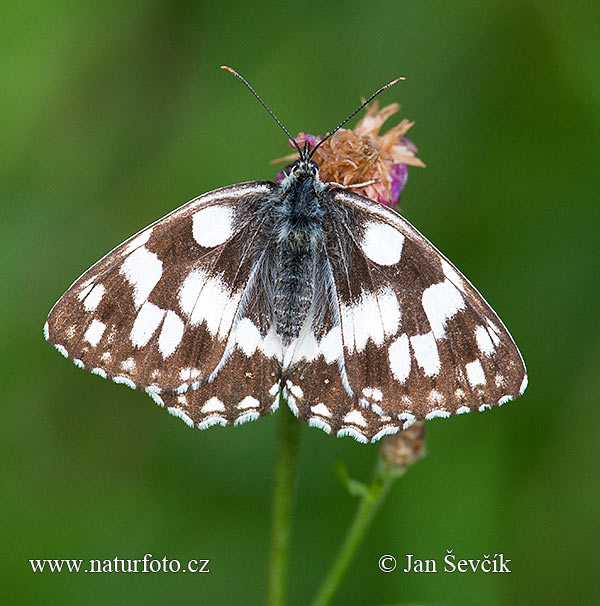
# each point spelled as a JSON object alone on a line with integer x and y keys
{"x": 309, "y": 167}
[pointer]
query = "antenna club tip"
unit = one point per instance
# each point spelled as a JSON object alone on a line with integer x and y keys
{"x": 226, "y": 67}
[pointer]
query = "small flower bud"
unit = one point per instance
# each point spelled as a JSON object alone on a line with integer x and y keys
{"x": 404, "y": 448}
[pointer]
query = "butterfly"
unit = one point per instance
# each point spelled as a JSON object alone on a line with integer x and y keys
{"x": 298, "y": 288}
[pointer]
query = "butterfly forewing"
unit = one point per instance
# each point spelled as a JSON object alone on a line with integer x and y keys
{"x": 411, "y": 339}
{"x": 176, "y": 302}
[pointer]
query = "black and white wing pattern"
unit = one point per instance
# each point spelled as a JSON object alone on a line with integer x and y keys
{"x": 178, "y": 311}
{"x": 403, "y": 335}
{"x": 324, "y": 295}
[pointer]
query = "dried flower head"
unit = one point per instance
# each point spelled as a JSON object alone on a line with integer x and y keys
{"x": 404, "y": 448}
{"x": 361, "y": 155}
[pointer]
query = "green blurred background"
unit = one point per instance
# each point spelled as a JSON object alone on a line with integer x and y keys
{"x": 114, "y": 113}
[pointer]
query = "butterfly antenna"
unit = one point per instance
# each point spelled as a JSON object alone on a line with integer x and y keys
{"x": 335, "y": 130}
{"x": 285, "y": 130}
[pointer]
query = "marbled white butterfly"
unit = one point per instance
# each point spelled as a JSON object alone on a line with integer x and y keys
{"x": 298, "y": 287}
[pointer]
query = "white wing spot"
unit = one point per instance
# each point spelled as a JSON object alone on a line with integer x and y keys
{"x": 99, "y": 372}
{"x": 441, "y": 302}
{"x": 274, "y": 389}
{"x": 272, "y": 346}
{"x": 452, "y": 274}
{"x": 206, "y": 299}
{"x": 361, "y": 322}
{"x": 248, "y": 402}
{"x": 147, "y": 321}
{"x": 355, "y": 417}
{"x": 94, "y": 332}
{"x": 85, "y": 291}
{"x": 94, "y": 297}
{"x": 484, "y": 342}
{"x": 374, "y": 316}
{"x": 142, "y": 269}
{"x": 435, "y": 397}
{"x": 305, "y": 347}
{"x": 475, "y": 373}
{"x": 426, "y": 353}
{"x": 213, "y": 405}
{"x": 373, "y": 393}
{"x": 170, "y": 334}
{"x": 190, "y": 290}
{"x": 247, "y": 336}
{"x": 320, "y": 409}
{"x": 389, "y": 310}
{"x": 400, "y": 358}
{"x": 295, "y": 390}
{"x": 128, "y": 365}
{"x": 331, "y": 345}
{"x": 291, "y": 402}
{"x": 138, "y": 241}
{"x": 212, "y": 225}
{"x": 382, "y": 243}
{"x": 463, "y": 410}
{"x": 493, "y": 331}
{"x": 374, "y": 407}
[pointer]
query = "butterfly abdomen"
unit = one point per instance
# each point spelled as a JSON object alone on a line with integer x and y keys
{"x": 300, "y": 238}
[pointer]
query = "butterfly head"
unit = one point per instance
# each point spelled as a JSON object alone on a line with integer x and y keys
{"x": 303, "y": 174}
{"x": 305, "y": 167}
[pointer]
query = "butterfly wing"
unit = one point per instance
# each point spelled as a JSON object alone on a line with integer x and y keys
{"x": 407, "y": 336}
{"x": 175, "y": 307}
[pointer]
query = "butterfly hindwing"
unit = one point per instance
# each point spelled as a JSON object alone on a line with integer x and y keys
{"x": 408, "y": 338}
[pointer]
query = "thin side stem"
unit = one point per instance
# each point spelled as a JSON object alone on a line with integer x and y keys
{"x": 288, "y": 440}
{"x": 370, "y": 502}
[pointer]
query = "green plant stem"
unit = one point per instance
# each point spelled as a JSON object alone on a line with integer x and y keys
{"x": 370, "y": 501}
{"x": 288, "y": 440}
